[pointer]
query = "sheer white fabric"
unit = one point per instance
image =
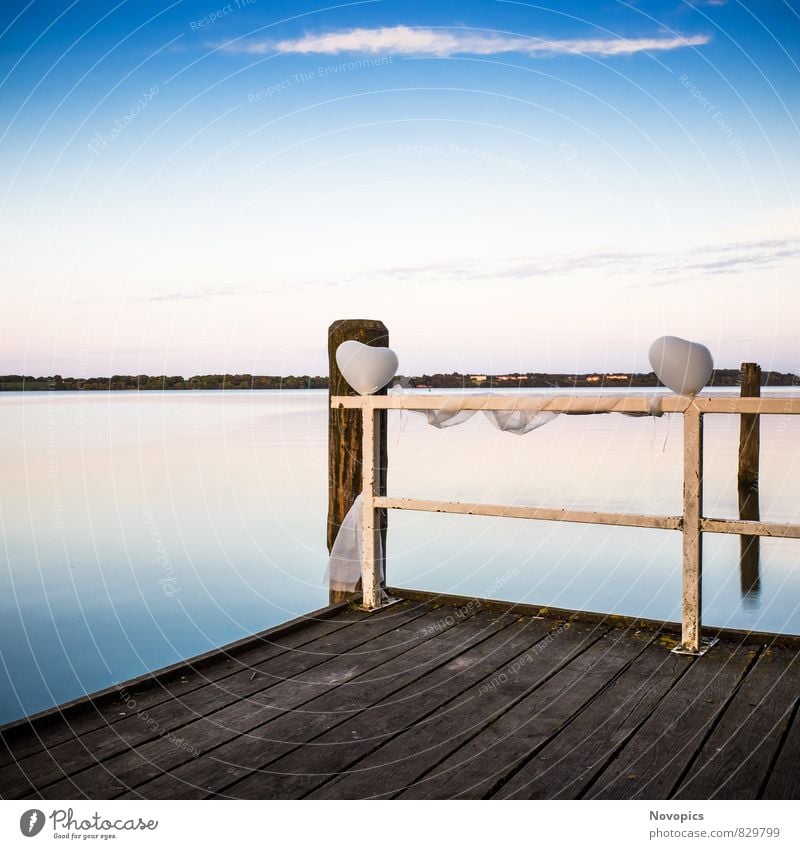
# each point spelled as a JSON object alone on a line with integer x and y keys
{"x": 344, "y": 565}
{"x": 518, "y": 422}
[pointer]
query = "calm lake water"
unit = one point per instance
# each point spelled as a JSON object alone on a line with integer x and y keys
{"x": 139, "y": 529}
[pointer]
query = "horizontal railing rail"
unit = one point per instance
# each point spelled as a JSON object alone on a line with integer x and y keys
{"x": 631, "y": 520}
{"x": 574, "y": 404}
{"x": 692, "y": 523}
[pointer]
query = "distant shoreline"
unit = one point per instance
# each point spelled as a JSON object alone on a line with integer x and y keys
{"x": 229, "y": 382}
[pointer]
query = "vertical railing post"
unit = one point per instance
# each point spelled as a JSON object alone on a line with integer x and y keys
{"x": 691, "y": 613}
{"x": 345, "y": 438}
{"x": 370, "y": 540}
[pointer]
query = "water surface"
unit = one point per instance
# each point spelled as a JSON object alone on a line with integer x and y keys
{"x": 142, "y": 528}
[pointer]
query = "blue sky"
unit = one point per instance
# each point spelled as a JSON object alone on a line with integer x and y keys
{"x": 204, "y": 187}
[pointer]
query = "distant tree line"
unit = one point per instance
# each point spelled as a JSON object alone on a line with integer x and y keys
{"x": 543, "y": 380}
{"x": 161, "y": 382}
{"x": 720, "y": 377}
{"x": 454, "y": 380}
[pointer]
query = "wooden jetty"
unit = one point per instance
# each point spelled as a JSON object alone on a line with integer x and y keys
{"x": 433, "y": 697}
{"x": 396, "y": 693}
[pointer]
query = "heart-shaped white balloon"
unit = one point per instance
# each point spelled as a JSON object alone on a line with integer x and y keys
{"x": 683, "y": 366}
{"x": 365, "y": 368}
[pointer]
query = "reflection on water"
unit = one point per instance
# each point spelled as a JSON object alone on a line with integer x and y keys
{"x": 139, "y": 529}
{"x": 750, "y": 546}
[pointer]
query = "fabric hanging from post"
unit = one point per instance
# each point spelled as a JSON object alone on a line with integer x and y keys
{"x": 344, "y": 566}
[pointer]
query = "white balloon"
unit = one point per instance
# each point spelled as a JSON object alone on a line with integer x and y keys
{"x": 683, "y": 366}
{"x": 365, "y": 368}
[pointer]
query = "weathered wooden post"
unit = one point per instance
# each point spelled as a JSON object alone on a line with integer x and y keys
{"x": 692, "y": 604}
{"x": 749, "y": 507}
{"x": 749, "y": 427}
{"x": 345, "y": 435}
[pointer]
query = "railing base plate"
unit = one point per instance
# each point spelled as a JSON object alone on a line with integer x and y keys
{"x": 705, "y": 645}
{"x": 386, "y": 601}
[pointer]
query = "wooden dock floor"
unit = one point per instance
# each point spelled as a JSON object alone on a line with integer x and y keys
{"x": 431, "y": 698}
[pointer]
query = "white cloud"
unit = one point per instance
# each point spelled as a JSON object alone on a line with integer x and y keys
{"x": 447, "y": 42}
{"x": 663, "y": 268}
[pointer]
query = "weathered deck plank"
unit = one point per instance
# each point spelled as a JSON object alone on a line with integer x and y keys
{"x": 407, "y": 757}
{"x": 433, "y": 699}
{"x": 306, "y": 768}
{"x": 784, "y": 778}
{"x": 564, "y": 767}
{"x": 651, "y": 764}
{"x": 389, "y": 633}
{"x": 237, "y": 694}
{"x": 735, "y": 759}
{"x": 286, "y": 733}
{"x": 148, "y": 691}
{"x": 484, "y": 761}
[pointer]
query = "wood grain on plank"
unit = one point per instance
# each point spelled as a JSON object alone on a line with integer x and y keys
{"x": 164, "y": 722}
{"x": 150, "y": 690}
{"x": 485, "y": 760}
{"x": 735, "y": 759}
{"x": 395, "y": 766}
{"x": 784, "y": 778}
{"x": 651, "y": 763}
{"x": 397, "y": 634}
{"x": 283, "y": 734}
{"x": 563, "y": 768}
{"x": 334, "y": 752}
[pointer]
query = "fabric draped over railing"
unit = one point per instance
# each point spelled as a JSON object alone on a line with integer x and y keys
{"x": 344, "y": 565}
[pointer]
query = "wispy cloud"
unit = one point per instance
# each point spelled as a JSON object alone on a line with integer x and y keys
{"x": 519, "y": 268}
{"x": 448, "y": 42}
{"x": 648, "y": 270}
{"x": 735, "y": 258}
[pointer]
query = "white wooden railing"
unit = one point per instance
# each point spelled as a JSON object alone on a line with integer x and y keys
{"x": 692, "y": 523}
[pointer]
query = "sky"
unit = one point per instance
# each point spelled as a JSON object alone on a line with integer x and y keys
{"x": 203, "y": 187}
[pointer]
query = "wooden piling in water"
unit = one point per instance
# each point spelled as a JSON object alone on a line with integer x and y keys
{"x": 749, "y": 507}
{"x": 749, "y": 427}
{"x": 345, "y": 434}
